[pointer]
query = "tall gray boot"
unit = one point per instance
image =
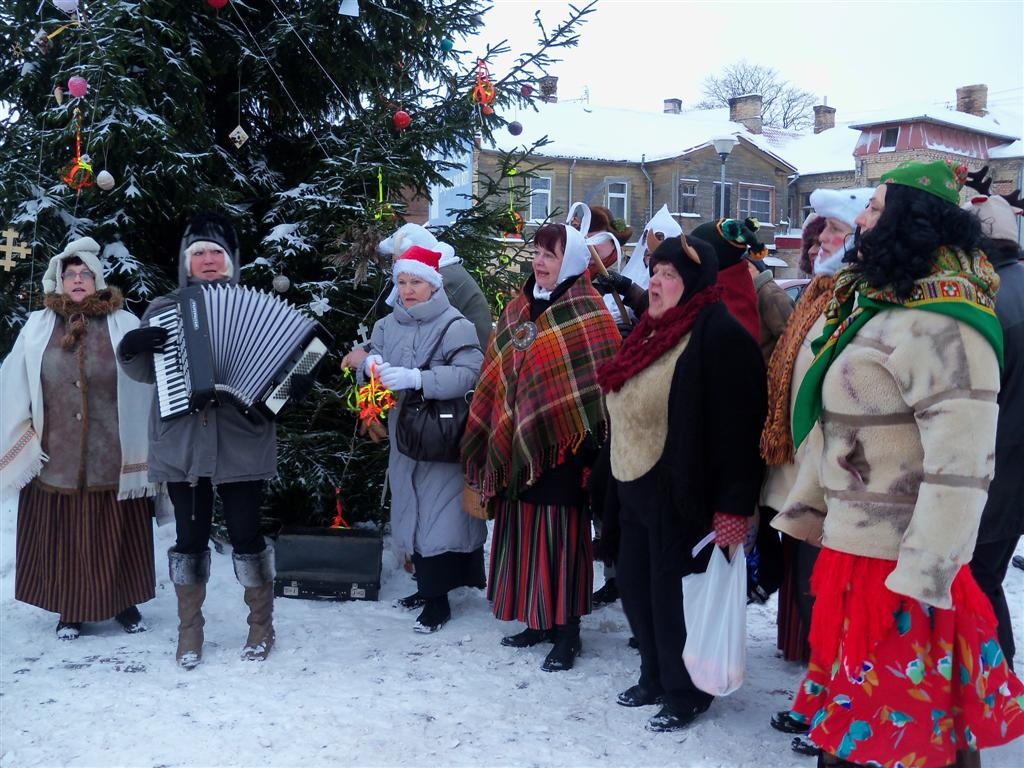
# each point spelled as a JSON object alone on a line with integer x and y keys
{"x": 189, "y": 574}
{"x": 256, "y": 574}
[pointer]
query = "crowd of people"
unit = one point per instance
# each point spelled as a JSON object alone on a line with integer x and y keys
{"x": 871, "y": 431}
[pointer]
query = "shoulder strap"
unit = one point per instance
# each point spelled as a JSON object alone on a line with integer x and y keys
{"x": 437, "y": 344}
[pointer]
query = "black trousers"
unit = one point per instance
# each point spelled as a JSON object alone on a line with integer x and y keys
{"x": 193, "y": 515}
{"x": 989, "y": 565}
{"x": 652, "y": 597}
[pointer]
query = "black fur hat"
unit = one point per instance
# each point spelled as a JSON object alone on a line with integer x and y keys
{"x": 694, "y": 260}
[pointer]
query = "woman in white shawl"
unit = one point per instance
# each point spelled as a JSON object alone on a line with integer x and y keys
{"x": 73, "y": 445}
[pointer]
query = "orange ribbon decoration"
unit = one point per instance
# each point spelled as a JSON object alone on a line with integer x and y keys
{"x": 484, "y": 92}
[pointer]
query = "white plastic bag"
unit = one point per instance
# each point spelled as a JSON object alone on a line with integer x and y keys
{"x": 715, "y": 609}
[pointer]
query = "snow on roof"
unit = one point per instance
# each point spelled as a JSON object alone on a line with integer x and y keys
{"x": 988, "y": 125}
{"x": 830, "y": 151}
{"x": 587, "y": 132}
{"x": 1009, "y": 150}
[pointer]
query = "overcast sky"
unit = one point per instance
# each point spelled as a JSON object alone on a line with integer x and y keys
{"x": 862, "y": 56}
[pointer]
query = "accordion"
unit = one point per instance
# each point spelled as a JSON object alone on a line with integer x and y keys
{"x": 232, "y": 344}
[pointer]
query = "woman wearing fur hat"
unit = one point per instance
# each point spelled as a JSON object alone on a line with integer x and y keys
{"x": 72, "y": 444}
{"x": 216, "y": 450}
{"x": 905, "y": 666}
{"x": 686, "y": 401}
{"x": 536, "y": 419}
{"x": 428, "y": 524}
{"x": 832, "y": 230}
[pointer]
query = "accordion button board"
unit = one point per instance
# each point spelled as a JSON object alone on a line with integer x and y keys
{"x": 232, "y": 344}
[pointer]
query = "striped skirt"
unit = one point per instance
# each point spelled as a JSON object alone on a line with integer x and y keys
{"x": 84, "y": 556}
{"x": 542, "y": 569}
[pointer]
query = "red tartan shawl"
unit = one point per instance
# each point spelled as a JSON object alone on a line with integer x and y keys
{"x": 538, "y": 399}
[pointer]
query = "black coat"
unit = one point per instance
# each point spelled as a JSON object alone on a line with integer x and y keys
{"x": 1003, "y": 517}
{"x": 711, "y": 462}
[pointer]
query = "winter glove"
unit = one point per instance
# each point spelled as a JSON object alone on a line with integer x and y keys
{"x": 729, "y": 529}
{"x": 613, "y": 282}
{"x": 147, "y": 339}
{"x": 395, "y": 377}
{"x": 301, "y": 386}
{"x": 369, "y": 362}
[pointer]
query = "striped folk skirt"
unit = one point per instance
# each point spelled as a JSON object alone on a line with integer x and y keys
{"x": 85, "y": 556}
{"x": 542, "y": 569}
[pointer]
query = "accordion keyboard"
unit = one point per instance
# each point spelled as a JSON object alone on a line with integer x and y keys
{"x": 168, "y": 366}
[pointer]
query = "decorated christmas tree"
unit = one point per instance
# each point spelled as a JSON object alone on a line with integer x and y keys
{"x": 311, "y": 125}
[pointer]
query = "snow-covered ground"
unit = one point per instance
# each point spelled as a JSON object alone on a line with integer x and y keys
{"x": 352, "y": 684}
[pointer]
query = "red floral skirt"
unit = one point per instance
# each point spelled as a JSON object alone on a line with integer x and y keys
{"x": 892, "y": 682}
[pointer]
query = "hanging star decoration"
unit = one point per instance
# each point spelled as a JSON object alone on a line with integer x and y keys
{"x": 79, "y": 174}
{"x": 11, "y": 250}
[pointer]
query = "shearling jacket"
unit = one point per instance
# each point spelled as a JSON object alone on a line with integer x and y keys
{"x": 774, "y": 306}
{"x": 909, "y": 423}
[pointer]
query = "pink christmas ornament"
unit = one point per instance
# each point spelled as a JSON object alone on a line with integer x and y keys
{"x": 77, "y": 86}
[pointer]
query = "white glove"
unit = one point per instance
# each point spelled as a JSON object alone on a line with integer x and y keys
{"x": 369, "y": 362}
{"x": 394, "y": 377}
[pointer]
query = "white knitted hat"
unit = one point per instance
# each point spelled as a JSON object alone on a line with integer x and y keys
{"x": 842, "y": 204}
{"x": 86, "y": 249}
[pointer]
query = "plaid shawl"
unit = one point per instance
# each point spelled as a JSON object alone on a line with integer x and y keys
{"x": 961, "y": 285}
{"x": 533, "y": 405}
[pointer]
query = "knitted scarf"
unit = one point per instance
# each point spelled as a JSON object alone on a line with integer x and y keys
{"x": 653, "y": 337}
{"x": 960, "y": 285}
{"x": 538, "y": 399}
{"x": 776, "y": 437}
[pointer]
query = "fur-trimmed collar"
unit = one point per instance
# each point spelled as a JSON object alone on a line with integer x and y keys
{"x": 103, "y": 302}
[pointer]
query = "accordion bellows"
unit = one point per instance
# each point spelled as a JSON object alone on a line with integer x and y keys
{"x": 232, "y": 343}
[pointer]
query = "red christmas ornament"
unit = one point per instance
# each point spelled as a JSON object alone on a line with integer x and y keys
{"x": 77, "y": 86}
{"x": 402, "y": 120}
{"x": 526, "y": 91}
{"x": 217, "y": 4}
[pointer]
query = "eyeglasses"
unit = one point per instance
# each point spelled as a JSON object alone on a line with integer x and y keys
{"x": 85, "y": 275}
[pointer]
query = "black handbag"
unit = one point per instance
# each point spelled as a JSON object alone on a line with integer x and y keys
{"x": 428, "y": 429}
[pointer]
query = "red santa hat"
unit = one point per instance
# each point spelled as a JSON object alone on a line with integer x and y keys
{"x": 418, "y": 261}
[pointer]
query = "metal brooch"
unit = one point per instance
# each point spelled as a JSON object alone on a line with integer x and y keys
{"x": 523, "y": 335}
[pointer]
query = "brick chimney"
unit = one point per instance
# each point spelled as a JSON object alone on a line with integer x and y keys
{"x": 972, "y": 99}
{"x": 548, "y": 88}
{"x": 673, "y": 106}
{"x": 746, "y": 110}
{"x": 824, "y": 118}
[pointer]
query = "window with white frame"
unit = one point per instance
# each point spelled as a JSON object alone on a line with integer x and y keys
{"x": 756, "y": 202}
{"x": 540, "y": 198}
{"x": 618, "y": 199}
{"x": 889, "y": 138}
{"x": 688, "y": 196}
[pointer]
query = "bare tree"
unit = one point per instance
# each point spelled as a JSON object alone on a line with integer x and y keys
{"x": 783, "y": 105}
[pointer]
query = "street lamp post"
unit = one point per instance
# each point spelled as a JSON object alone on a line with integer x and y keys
{"x": 723, "y": 146}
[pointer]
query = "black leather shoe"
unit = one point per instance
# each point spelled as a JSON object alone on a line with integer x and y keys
{"x": 435, "y": 615}
{"x": 413, "y": 601}
{"x": 69, "y": 630}
{"x": 785, "y": 721}
{"x": 607, "y": 594}
{"x": 638, "y": 696}
{"x": 562, "y": 657}
{"x": 131, "y": 620}
{"x": 529, "y": 638}
{"x": 672, "y": 718}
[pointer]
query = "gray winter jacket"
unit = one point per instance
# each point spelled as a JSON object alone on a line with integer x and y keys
{"x": 220, "y": 442}
{"x": 426, "y": 497}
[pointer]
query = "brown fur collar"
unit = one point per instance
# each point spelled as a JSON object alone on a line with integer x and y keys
{"x": 99, "y": 304}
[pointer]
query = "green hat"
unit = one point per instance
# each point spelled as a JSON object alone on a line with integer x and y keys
{"x": 941, "y": 178}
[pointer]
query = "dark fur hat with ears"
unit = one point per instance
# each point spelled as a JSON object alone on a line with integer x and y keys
{"x": 694, "y": 260}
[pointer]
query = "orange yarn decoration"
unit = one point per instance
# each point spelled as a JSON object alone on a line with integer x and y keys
{"x": 372, "y": 400}
{"x": 79, "y": 173}
{"x": 484, "y": 92}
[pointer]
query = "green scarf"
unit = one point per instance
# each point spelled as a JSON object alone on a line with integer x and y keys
{"x": 961, "y": 285}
